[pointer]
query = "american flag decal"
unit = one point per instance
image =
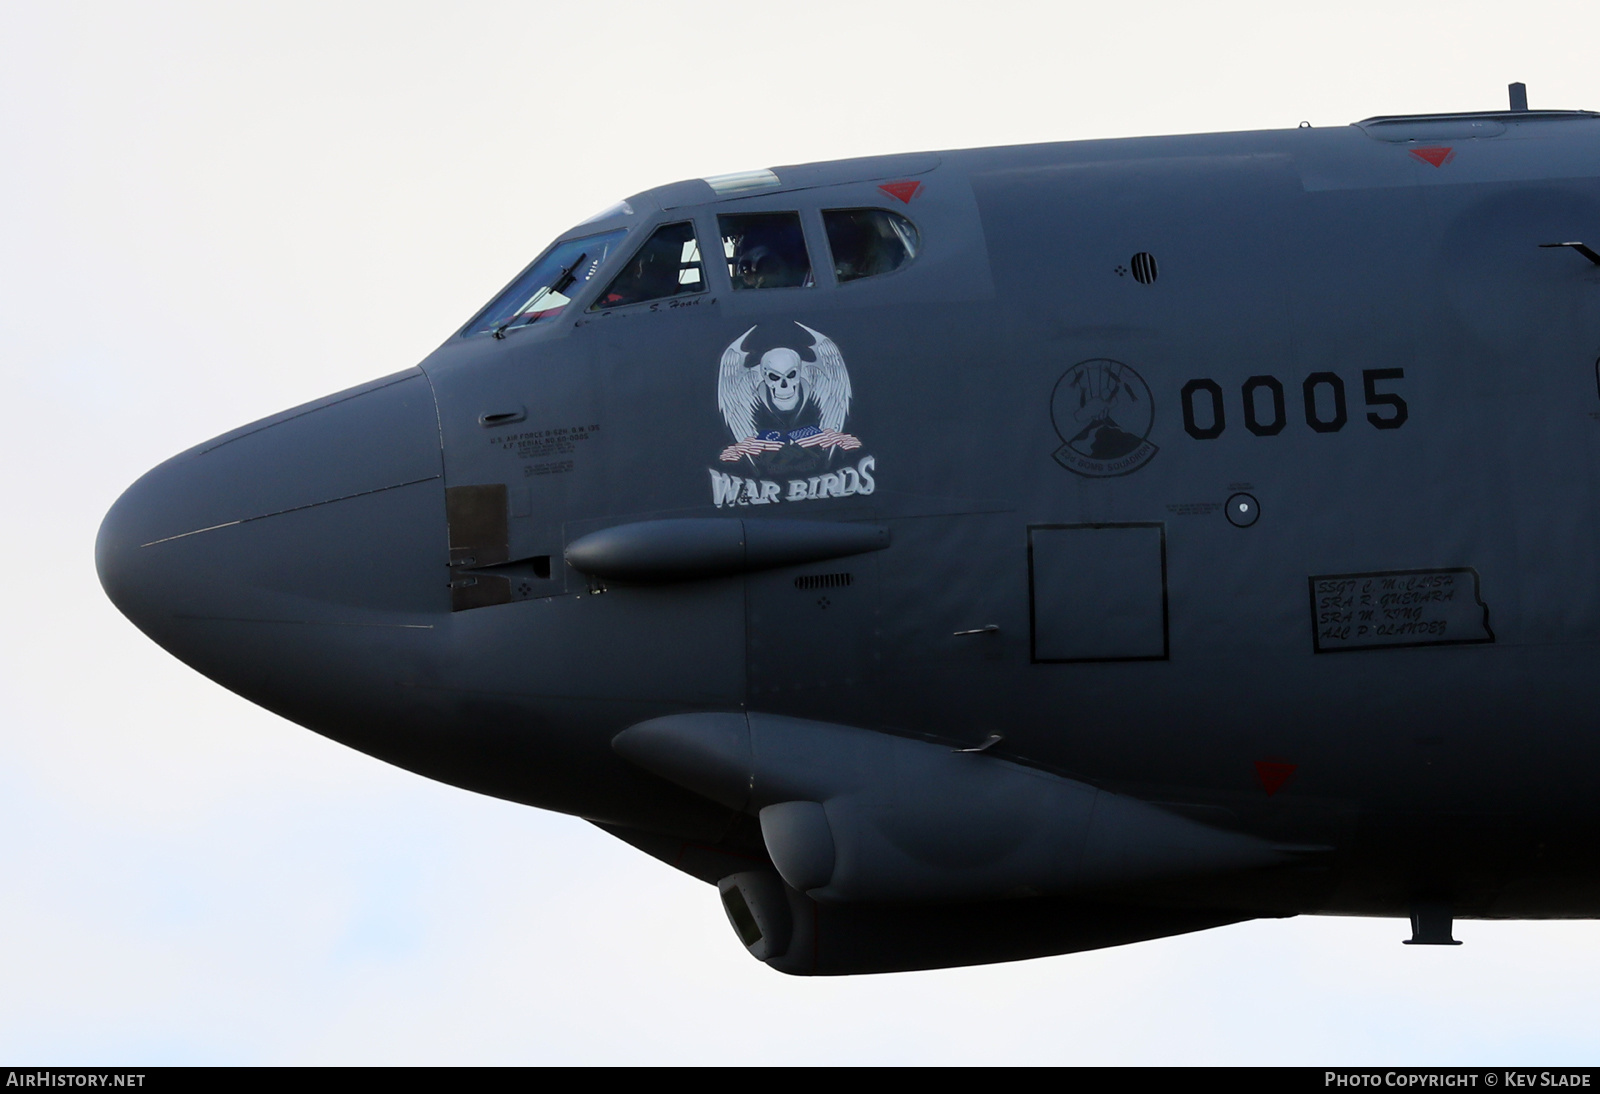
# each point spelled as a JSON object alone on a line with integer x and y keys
{"x": 829, "y": 438}
{"x": 750, "y": 446}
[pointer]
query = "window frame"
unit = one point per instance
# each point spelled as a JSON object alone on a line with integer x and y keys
{"x": 921, "y": 236}
{"x": 574, "y": 302}
{"x": 767, "y": 204}
{"x": 648, "y": 233}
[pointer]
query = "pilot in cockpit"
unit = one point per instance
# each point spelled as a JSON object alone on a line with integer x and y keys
{"x": 769, "y": 252}
{"x": 652, "y": 273}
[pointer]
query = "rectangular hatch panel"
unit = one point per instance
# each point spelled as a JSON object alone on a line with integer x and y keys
{"x": 1098, "y": 591}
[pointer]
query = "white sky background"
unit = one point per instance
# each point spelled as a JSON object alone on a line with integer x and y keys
{"x": 215, "y": 211}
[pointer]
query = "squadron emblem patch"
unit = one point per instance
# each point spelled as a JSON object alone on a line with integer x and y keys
{"x": 786, "y": 417}
{"x": 1102, "y": 412}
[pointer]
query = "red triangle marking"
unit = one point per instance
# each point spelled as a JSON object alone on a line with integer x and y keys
{"x": 1436, "y": 156}
{"x": 1272, "y": 774}
{"x": 905, "y": 191}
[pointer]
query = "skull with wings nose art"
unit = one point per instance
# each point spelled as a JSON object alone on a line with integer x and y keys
{"x": 784, "y": 399}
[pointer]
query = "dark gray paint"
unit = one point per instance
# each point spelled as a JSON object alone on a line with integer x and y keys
{"x": 688, "y": 548}
{"x": 306, "y": 563}
{"x": 1098, "y": 592}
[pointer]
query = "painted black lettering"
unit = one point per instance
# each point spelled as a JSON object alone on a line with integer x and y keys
{"x": 1330, "y": 380}
{"x": 1211, "y": 388}
{"x": 1369, "y": 384}
{"x": 1251, "y": 422}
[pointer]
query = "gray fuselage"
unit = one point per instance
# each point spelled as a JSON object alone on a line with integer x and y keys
{"x": 1251, "y": 476}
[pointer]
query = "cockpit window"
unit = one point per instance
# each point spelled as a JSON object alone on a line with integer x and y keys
{"x": 667, "y": 265}
{"x": 547, "y": 286}
{"x": 765, "y": 250}
{"x": 868, "y": 242}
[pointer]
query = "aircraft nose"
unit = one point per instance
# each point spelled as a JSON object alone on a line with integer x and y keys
{"x": 259, "y": 556}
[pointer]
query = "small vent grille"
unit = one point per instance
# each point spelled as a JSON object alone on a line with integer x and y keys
{"x": 822, "y": 581}
{"x": 1144, "y": 267}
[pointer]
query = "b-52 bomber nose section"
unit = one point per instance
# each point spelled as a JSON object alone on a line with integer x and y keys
{"x": 869, "y": 541}
{"x": 295, "y": 559}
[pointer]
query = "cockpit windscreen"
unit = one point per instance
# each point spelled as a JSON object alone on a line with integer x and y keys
{"x": 765, "y": 250}
{"x": 547, "y": 286}
{"x": 667, "y": 265}
{"x": 868, "y": 242}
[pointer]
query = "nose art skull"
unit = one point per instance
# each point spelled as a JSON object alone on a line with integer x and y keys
{"x": 780, "y": 368}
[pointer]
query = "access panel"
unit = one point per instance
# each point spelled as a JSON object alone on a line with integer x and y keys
{"x": 1098, "y": 592}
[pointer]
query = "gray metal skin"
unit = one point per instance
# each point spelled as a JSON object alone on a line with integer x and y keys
{"x": 304, "y": 561}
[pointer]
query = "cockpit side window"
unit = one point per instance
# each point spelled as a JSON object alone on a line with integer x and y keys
{"x": 868, "y": 242}
{"x": 547, "y": 286}
{"x": 667, "y": 265}
{"x": 765, "y": 250}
